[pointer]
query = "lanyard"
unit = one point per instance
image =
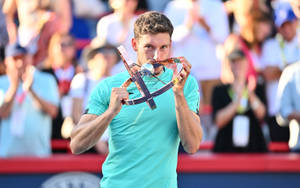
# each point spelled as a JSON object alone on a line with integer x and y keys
{"x": 21, "y": 97}
{"x": 243, "y": 103}
{"x": 279, "y": 38}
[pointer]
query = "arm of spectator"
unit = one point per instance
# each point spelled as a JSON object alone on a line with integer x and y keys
{"x": 256, "y": 103}
{"x": 76, "y": 109}
{"x": 102, "y": 147}
{"x": 272, "y": 73}
{"x": 9, "y": 9}
{"x": 182, "y": 26}
{"x": 257, "y": 106}
{"x": 225, "y": 115}
{"x": 6, "y": 106}
{"x": 9, "y": 97}
{"x": 78, "y": 92}
{"x": 217, "y": 22}
{"x": 63, "y": 11}
{"x": 180, "y": 33}
{"x": 102, "y": 31}
{"x": 46, "y": 106}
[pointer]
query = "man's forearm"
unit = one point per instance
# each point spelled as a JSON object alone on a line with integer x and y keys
{"x": 89, "y": 130}
{"x": 226, "y": 114}
{"x": 6, "y": 107}
{"x": 188, "y": 123}
{"x": 257, "y": 106}
{"x": 47, "y": 107}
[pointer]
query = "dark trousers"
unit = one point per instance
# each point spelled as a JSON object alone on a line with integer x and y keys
{"x": 278, "y": 133}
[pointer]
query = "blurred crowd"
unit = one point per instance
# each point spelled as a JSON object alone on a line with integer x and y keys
{"x": 239, "y": 50}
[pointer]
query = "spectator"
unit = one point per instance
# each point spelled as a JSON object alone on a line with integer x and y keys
{"x": 289, "y": 91}
{"x": 36, "y": 24}
{"x": 277, "y": 53}
{"x": 61, "y": 61}
{"x": 199, "y": 27}
{"x": 238, "y": 110}
{"x": 28, "y": 100}
{"x": 117, "y": 28}
{"x": 288, "y": 96}
{"x": 252, "y": 35}
{"x": 100, "y": 63}
{"x": 61, "y": 64}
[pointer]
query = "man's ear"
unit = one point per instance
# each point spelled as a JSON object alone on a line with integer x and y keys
{"x": 134, "y": 44}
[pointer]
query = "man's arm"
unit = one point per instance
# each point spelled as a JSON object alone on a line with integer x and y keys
{"x": 271, "y": 73}
{"x": 91, "y": 127}
{"x": 46, "y": 106}
{"x": 9, "y": 97}
{"x": 188, "y": 122}
{"x": 89, "y": 130}
{"x": 9, "y": 9}
{"x": 6, "y": 107}
{"x": 257, "y": 106}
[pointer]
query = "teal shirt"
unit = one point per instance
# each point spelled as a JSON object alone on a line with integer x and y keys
{"x": 143, "y": 144}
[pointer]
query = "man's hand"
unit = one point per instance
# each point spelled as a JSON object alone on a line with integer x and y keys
{"x": 178, "y": 88}
{"x": 27, "y": 78}
{"x": 12, "y": 73}
{"x": 251, "y": 84}
{"x": 116, "y": 97}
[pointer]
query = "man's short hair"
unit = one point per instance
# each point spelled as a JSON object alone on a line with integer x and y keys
{"x": 152, "y": 23}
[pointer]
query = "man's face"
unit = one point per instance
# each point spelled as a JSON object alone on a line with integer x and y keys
{"x": 17, "y": 64}
{"x": 288, "y": 30}
{"x": 239, "y": 68}
{"x": 262, "y": 30}
{"x": 103, "y": 62}
{"x": 296, "y": 7}
{"x": 152, "y": 46}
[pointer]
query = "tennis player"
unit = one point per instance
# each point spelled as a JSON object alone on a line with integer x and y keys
{"x": 143, "y": 144}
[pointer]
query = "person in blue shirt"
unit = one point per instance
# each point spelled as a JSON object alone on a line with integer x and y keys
{"x": 28, "y": 100}
{"x": 288, "y": 94}
{"x": 143, "y": 143}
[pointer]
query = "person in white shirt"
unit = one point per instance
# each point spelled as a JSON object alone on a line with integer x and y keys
{"x": 277, "y": 53}
{"x": 199, "y": 27}
{"x": 101, "y": 60}
{"x": 117, "y": 28}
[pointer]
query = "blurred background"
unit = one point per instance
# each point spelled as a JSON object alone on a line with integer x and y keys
{"x": 245, "y": 56}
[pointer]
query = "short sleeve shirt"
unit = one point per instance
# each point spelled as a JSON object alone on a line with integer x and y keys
{"x": 34, "y": 137}
{"x": 143, "y": 144}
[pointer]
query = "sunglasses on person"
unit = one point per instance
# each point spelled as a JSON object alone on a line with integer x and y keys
{"x": 66, "y": 44}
